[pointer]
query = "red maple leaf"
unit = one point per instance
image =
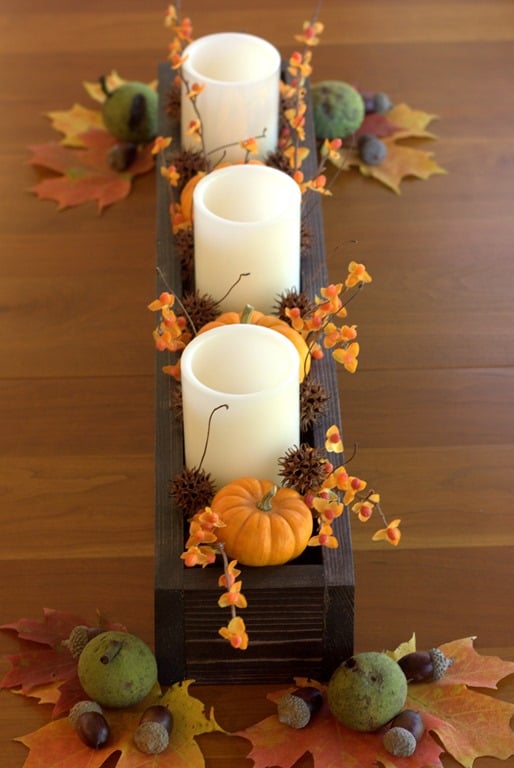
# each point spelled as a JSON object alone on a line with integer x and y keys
{"x": 85, "y": 173}
{"x": 51, "y": 667}
{"x": 469, "y": 724}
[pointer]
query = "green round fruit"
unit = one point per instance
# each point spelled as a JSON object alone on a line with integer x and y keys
{"x": 117, "y": 669}
{"x": 338, "y": 109}
{"x": 366, "y": 691}
{"x": 130, "y": 112}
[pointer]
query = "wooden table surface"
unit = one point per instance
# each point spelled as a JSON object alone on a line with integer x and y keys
{"x": 431, "y": 406}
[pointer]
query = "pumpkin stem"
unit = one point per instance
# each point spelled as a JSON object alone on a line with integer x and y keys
{"x": 266, "y": 502}
{"x": 246, "y": 314}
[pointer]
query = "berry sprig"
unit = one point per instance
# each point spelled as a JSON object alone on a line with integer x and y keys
{"x": 321, "y": 327}
{"x": 202, "y": 548}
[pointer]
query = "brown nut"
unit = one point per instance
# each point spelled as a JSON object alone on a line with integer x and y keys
{"x": 424, "y": 666}
{"x": 152, "y": 735}
{"x": 411, "y": 720}
{"x": 158, "y": 714}
{"x": 93, "y": 729}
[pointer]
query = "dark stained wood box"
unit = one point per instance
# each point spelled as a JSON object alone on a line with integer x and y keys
{"x": 300, "y": 615}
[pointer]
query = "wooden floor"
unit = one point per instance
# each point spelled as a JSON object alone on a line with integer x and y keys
{"x": 431, "y": 406}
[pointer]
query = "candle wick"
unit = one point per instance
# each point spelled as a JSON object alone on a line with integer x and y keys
{"x": 218, "y": 407}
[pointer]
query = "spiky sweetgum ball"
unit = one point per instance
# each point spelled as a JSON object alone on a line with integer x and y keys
{"x": 117, "y": 669}
{"x": 130, "y": 112}
{"x": 366, "y": 691}
{"x": 338, "y": 109}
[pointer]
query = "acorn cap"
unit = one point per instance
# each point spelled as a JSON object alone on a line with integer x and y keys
{"x": 151, "y": 737}
{"x": 440, "y": 663}
{"x": 399, "y": 742}
{"x": 80, "y": 707}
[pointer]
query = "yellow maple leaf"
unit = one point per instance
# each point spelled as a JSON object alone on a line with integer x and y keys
{"x": 412, "y": 122}
{"x": 95, "y": 91}
{"x": 57, "y": 743}
{"x": 112, "y": 81}
{"x": 75, "y": 121}
{"x": 401, "y": 160}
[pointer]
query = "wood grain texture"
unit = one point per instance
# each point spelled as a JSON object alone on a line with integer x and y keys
{"x": 431, "y": 406}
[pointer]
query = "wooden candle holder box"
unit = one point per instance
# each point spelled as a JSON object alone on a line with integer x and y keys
{"x": 300, "y": 616}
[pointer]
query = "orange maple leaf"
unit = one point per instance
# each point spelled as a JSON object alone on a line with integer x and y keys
{"x": 469, "y": 724}
{"x": 85, "y": 174}
{"x": 58, "y": 743}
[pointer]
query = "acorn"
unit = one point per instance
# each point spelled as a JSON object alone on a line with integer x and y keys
{"x": 92, "y": 728}
{"x": 79, "y": 637}
{"x": 406, "y": 730}
{"x": 121, "y": 156}
{"x": 377, "y": 102}
{"x": 152, "y": 735}
{"x": 78, "y": 709}
{"x": 425, "y": 666}
{"x": 372, "y": 151}
{"x": 299, "y": 707}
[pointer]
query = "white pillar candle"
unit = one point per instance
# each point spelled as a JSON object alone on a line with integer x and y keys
{"x": 253, "y": 370}
{"x": 241, "y": 99}
{"x": 247, "y": 219}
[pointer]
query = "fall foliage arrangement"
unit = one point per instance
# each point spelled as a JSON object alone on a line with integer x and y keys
{"x": 440, "y": 706}
{"x": 250, "y": 521}
{"x": 378, "y": 707}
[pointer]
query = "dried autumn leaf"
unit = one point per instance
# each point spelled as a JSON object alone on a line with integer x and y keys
{"x": 85, "y": 174}
{"x": 74, "y": 122}
{"x": 399, "y": 163}
{"x": 95, "y": 90}
{"x": 400, "y": 122}
{"x": 469, "y": 724}
{"x": 329, "y": 743}
{"x": 58, "y": 743}
{"x": 112, "y": 81}
{"x": 48, "y": 673}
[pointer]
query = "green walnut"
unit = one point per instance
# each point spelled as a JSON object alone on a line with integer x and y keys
{"x": 130, "y": 112}
{"x": 117, "y": 669}
{"x": 366, "y": 691}
{"x": 338, "y": 109}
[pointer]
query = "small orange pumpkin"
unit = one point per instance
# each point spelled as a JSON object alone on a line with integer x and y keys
{"x": 264, "y": 525}
{"x": 251, "y": 315}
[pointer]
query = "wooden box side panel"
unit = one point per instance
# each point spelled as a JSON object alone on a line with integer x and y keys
{"x": 185, "y": 604}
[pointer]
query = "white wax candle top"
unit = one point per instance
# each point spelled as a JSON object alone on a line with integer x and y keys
{"x": 247, "y": 220}
{"x": 241, "y": 74}
{"x": 253, "y": 370}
